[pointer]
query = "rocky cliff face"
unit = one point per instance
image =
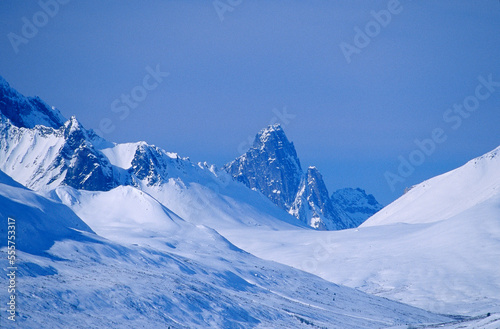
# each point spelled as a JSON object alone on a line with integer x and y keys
{"x": 44, "y": 157}
{"x": 312, "y": 203}
{"x": 41, "y": 148}
{"x": 86, "y": 167}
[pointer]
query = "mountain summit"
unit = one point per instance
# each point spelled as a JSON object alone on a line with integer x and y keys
{"x": 27, "y": 112}
{"x": 272, "y": 167}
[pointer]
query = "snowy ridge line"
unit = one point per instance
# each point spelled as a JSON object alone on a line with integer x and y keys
{"x": 446, "y": 195}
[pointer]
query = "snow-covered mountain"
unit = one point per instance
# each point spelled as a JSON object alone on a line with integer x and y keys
{"x": 436, "y": 247}
{"x": 160, "y": 271}
{"x": 313, "y": 204}
{"x": 42, "y": 150}
{"x": 272, "y": 167}
{"x": 43, "y": 158}
{"x": 355, "y": 205}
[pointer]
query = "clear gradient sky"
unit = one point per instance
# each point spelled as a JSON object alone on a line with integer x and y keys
{"x": 228, "y": 78}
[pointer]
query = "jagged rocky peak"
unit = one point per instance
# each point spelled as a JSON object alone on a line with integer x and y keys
{"x": 74, "y": 133}
{"x": 148, "y": 164}
{"x": 52, "y": 150}
{"x": 355, "y": 197}
{"x": 87, "y": 167}
{"x": 312, "y": 204}
{"x": 357, "y": 203}
{"x": 271, "y": 166}
{"x": 72, "y": 124}
{"x": 27, "y": 112}
{"x": 317, "y": 191}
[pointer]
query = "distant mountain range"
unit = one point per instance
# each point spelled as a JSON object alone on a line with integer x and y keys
{"x": 43, "y": 150}
{"x": 129, "y": 236}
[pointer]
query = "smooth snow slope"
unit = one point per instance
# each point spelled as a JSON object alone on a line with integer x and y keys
{"x": 123, "y": 209}
{"x": 446, "y": 195}
{"x": 97, "y": 283}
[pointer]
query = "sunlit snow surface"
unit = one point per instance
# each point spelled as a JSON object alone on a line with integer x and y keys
{"x": 156, "y": 270}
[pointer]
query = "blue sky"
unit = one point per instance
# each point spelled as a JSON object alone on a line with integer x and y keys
{"x": 228, "y": 78}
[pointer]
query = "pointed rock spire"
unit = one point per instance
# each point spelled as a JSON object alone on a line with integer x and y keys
{"x": 271, "y": 166}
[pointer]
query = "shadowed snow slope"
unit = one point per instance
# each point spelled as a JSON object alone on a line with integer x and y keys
{"x": 38, "y": 222}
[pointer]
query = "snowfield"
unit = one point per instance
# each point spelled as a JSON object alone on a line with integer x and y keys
{"x": 162, "y": 272}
